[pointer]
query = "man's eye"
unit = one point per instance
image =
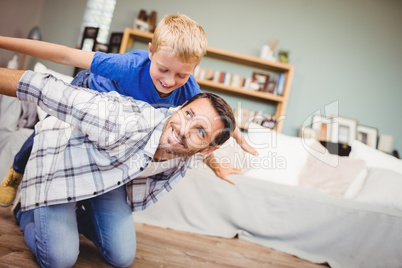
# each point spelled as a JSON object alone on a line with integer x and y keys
{"x": 201, "y": 132}
{"x": 188, "y": 115}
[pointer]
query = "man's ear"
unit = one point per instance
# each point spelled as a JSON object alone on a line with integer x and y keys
{"x": 208, "y": 150}
{"x": 150, "y": 50}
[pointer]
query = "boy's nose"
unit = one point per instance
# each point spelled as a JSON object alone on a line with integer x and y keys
{"x": 169, "y": 80}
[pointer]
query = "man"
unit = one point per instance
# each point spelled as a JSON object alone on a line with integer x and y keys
{"x": 100, "y": 143}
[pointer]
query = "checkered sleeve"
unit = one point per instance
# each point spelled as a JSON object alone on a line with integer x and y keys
{"x": 105, "y": 117}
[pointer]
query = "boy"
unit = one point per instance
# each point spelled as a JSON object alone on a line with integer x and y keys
{"x": 161, "y": 77}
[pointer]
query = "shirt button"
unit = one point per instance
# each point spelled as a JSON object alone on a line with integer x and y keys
{"x": 69, "y": 199}
{"x": 141, "y": 168}
{"x": 94, "y": 193}
{"x": 118, "y": 183}
{"x": 37, "y": 204}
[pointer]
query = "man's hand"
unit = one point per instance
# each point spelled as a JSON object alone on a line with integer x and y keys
{"x": 221, "y": 169}
{"x": 243, "y": 143}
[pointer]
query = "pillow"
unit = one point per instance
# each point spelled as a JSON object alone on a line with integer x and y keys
{"x": 375, "y": 158}
{"x": 281, "y": 157}
{"x": 10, "y": 112}
{"x": 330, "y": 173}
{"x": 356, "y": 185}
{"x": 40, "y": 68}
{"x": 382, "y": 187}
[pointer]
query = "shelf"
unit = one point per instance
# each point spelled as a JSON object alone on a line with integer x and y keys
{"x": 131, "y": 35}
{"x": 215, "y": 53}
{"x": 207, "y": 84}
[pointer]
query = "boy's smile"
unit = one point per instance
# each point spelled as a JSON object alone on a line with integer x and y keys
{"x": 168, "y": 72}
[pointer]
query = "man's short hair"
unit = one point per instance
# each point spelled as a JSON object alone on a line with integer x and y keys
{"x": 183, "y": 36}
{"x": 225, "y": 113}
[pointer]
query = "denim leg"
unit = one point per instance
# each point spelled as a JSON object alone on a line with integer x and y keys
{"x": 21, "y": 158}
{"x": 108, "y": 222}
{"x": 51, "y": 233}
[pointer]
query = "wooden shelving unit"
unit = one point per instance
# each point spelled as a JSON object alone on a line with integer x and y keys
{"x": 130, "y": 36}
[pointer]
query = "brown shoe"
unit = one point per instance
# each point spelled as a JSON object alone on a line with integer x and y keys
{"x": 9, "y": 187}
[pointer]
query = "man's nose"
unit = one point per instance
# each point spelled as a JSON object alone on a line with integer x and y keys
{"x": 186, "y": 129}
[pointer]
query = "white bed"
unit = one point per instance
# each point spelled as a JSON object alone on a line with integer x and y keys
{"x": 346, "y": 212}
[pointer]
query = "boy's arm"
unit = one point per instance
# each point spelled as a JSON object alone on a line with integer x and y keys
{"x": 221, "y": 170}
{"x": 49, "y": 51}
{"x": 243, "y": 143}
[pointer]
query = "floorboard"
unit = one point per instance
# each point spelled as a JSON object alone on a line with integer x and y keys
{"x": 156, "y": 247}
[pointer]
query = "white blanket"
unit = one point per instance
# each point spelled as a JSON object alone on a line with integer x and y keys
{"x": 302, "y": 222}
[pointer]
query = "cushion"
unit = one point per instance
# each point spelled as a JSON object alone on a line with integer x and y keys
{"x": 10, "y": 112}
{"x": 330, "y": 173}
{"x": 382, "y": 187}
{"x": 41, "y": 68}
{"x": 356, "y": 185}
{"x": 281, "y": 157}
{"x": 375, "y": 158}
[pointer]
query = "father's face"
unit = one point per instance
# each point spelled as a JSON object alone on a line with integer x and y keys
{"x": 191, "y": 129}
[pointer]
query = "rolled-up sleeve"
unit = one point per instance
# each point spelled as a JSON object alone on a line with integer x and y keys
{"x": 106, "y": 118}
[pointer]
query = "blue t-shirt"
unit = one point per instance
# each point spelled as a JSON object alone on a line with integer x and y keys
{"x": 128, "y": 74}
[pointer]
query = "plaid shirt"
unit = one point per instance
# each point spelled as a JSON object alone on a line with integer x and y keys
{"x": 101, "y": 142}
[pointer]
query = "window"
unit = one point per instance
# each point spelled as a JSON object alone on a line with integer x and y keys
{"x": 99, "y": 13}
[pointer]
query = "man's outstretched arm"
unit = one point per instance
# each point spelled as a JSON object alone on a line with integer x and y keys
{"x": 85, "y": 109}
{"x": 9, "y": 81}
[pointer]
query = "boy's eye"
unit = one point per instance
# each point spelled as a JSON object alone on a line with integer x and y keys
{"x": 181, "y": 76}
{"x": 162, "y": 70}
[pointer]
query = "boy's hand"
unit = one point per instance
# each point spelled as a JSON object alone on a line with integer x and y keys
{"x": 221, "y": 169}
{"x": 243, "y": 143}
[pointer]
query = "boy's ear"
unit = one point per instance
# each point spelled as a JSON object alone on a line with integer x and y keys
{"x": 208, "y": 150}
{"x": 150, "y": 50}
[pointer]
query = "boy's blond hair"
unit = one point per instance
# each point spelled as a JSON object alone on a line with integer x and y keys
{"x": 181, "y": 35}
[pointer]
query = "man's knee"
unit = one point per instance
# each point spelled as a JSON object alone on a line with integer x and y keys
{"x": 67, "y": 258}
{"x": 121, "y": 254}
{"x": 122, "y": 259}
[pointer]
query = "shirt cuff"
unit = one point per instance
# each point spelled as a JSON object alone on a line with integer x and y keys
{"x": 29, "y": 86}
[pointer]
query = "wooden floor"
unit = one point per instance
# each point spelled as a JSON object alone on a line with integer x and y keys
{"x": 156, "y": 247}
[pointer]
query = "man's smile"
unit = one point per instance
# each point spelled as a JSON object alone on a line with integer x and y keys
{"x": 176, "y": 138}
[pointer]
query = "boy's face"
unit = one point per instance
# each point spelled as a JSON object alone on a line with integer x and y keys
{"x": 168, "y": 72}
{"x": 191, "y": 129}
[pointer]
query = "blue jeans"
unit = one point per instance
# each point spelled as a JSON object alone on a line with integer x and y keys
{"x": 21, "y": 158}
{"x": 52, "y": 233}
